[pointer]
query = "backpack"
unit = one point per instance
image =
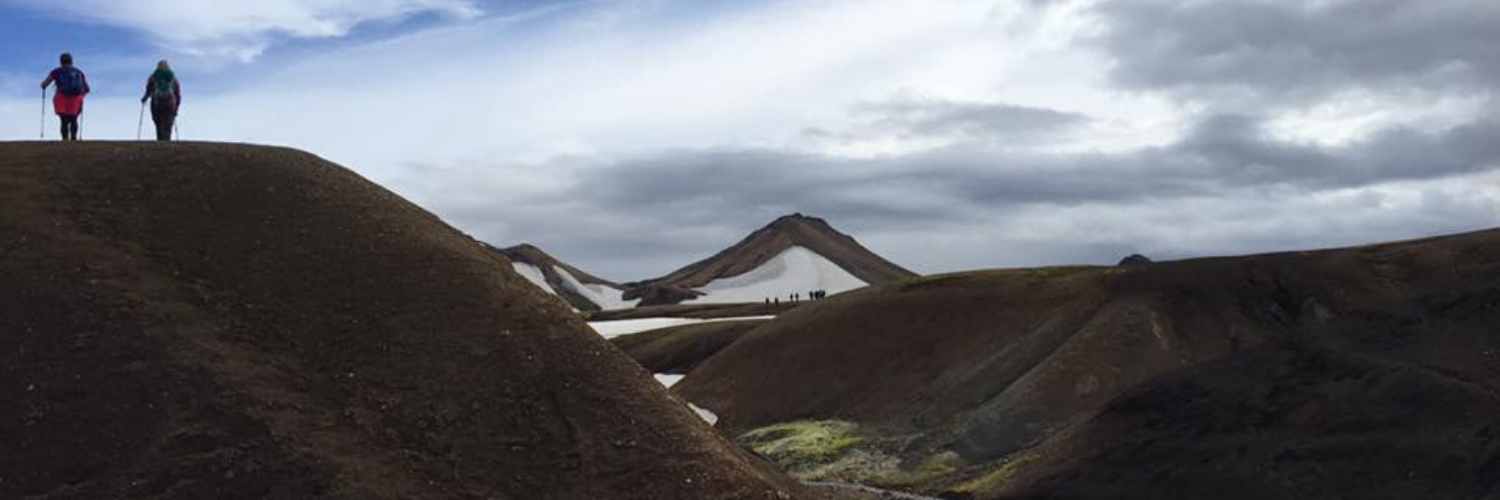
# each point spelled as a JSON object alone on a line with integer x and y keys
{"x": 69, "y": 81}
{"x": 161, "y": 86}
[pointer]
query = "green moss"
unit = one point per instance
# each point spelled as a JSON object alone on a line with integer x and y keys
{"x": 806, "y": 447}
{"x": 996, "y": 478}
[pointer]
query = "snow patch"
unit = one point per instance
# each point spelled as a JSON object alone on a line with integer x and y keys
{"x": 706, "y": 415}
{"x": 668, "y": 379}
{"x": 606, "y": 297}
{"x": 534, "y": 275}
{"x": 620, "y": 328}
{"x": 796, "y": 270}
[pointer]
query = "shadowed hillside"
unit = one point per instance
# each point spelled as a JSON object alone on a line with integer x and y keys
{"x": 1368, "y": 372}
{"x": 216, "y": 321}
{"x": 680, "y": 349}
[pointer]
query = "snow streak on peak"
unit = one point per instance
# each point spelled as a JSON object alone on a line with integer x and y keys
{"x": 534, "y": 275}
{"x": 605, "y": 296}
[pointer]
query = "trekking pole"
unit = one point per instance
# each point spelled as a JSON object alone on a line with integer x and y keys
{"x": 44, "y": 113}
{"x": 140, "y": 122}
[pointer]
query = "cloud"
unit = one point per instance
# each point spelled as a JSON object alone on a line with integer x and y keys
{"x": 915, "y": 117}
{"x": 669, "y": 208}
{"x": 1287, "y": 53}
{"x": 242, "y": 30}
{"x": 1222, "y": 153}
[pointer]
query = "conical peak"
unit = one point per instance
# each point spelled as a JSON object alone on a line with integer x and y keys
{"x": 799, "y": 220}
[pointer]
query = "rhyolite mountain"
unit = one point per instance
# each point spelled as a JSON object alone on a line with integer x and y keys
{"x": 790, "y": 244}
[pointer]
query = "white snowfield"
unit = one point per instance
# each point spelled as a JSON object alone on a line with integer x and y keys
{"x": 620, "y": 328}
{"x": 534, "y": 275}
{"x": 606, "y": 297}
{"x": 796, "y": 270}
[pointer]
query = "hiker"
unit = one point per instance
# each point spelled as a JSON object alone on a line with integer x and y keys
{"x": 165, "y": 95}
{"x": 72, "y": 85}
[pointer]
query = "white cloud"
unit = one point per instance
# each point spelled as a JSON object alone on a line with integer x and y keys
{"x": 242, "y": 29}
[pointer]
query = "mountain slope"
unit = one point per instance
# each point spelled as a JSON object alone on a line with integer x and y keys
{"x": 582, "y": 290}
{"x": 1098, "y": 380}
{"x": 678, "y": 350}
{"x": 794, "y": 254}
{"x": 235, "y": 322}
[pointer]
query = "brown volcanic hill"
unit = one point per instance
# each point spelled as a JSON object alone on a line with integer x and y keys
{"x": 763, "y": 245}
{"x": 680, "y": 349}
{"x": 531, "y": 255}
{"x": 234, "y": 322}
{"x": 1250, "y": 377}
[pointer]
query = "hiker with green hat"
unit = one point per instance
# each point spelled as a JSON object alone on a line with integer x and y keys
{"x": 165, "y": 95}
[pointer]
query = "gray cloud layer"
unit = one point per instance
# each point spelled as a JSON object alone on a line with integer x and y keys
{"x": 659, "y": 211}
{"x": 927, "y": 118}
{"x": 1303, "y": 49}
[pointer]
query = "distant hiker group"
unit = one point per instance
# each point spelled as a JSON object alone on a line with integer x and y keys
{"x": 798, "y": 297}
{"x": 162, "y": 90}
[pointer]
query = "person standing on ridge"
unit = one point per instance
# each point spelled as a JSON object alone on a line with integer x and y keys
{"x": 165, "y": 95}
{"x": 72, "y": 85}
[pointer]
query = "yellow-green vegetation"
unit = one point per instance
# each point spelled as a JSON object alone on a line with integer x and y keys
{"x": 998, "y": 477}
{"x": 933, "y": 469}
{"x": 809, "y": 450}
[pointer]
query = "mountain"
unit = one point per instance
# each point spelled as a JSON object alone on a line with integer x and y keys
{"x": 584, "y": 291}
{"x": 194, "y": 320}
{"x": 794, "y": 254}
{"x": 1368, "y": 372}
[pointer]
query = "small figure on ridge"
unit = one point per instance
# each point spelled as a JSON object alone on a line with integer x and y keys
{"x": 165, "y": 94}
{"x": 72, "y": 85}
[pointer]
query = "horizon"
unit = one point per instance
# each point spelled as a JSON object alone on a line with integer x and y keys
{"x": 629, "y": 138}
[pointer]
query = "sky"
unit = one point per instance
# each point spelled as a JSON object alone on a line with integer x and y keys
{"x": 631, "y": 137}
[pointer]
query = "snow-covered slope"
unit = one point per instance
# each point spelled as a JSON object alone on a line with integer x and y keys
{"x": 793, "y": 254}
{"x": 795, "y": 270}
{"x": 605, "y": 296}
{"x": 579, "y": 289}
{"x": 534, "y": 275}
{"x": 620, "y": 328}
